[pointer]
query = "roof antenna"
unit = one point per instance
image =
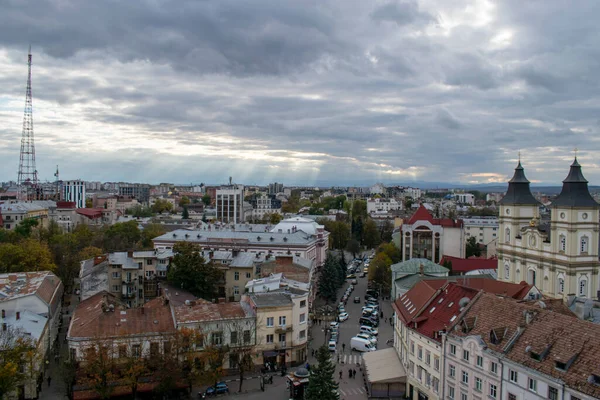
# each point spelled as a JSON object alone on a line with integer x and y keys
{"x": 575, "y": 150}
{"x": 519, "y": 156}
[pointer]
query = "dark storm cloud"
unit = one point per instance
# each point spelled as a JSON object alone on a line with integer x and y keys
{"x": 339, "y": 90}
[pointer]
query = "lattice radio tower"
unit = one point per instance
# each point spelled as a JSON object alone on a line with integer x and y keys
{"x": 28, "y": 177}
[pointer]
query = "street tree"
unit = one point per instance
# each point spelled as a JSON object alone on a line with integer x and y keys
{"x": 122, "y": 236}
{"x": 330, "y": 278}
{"x": 15, "y": 351}
{"x": 26, "y": 256}
{"x": 149, "y": 232}
{"x": 162, "y": 205}
{"x": 242, "y": 348}
{"x": 185, "y": 214}
{"x": 191, "y": 272}
{"x": 98, "y": 368}
{"x": 206, "y": 199}
{"x": 353, "y": 247}
{"x": 390, "y": 250}
{"x": 472, "y": 248}
{"x": 371, "y": 237}
{"x": 184, "y": 201}
{"x": 380, "y": 273}
{"x": 322, "y": 384}
{"x": 26, "y": 226}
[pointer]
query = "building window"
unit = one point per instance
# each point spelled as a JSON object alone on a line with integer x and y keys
{"x": 247, "y": 337}
{"x": 302, "y": 303}
{"x": 465, "y": 377}
{"x": 562, "y": 243}
{"x": 582, "y": 287}
{"x": 116, "y": 274}
{"x": 584, "y": 245}
{"x": 282, "y": 338}
{"x": 466, "y": 355}
{"x": 493, "y": 391}
{"x": 451, "y": 392}
{"x": 494, "y": 368}
{"x": 420, "y": 353}
{"x": 248, "y": 275}
{"x": 123, "y": 351}
{"x": 303, "y": 334}
{"x": 436, "y": 363}
{"x": 514, "y": 376}
{"x": 236, "y": 276}
{"x": 532, "y": 385}
{"x": 217, "y": 338}
{"x": 512, "y": 396}
{"x": 553, "y": 393}
{"x": 463, "y": 396}
{"x": 428, "y": 357}
{"x": 561, "y": 285}
{"x": 452, "y": 371}
{"x": 478, "y": 384}
{"x": 269, "y": 338}
{"x": 282, "y": 320}
{"x": 452, "y": 349}
{"x": 302, "y": 318}
{"x": 236, "y": 290}
{"x": 233, "y": 338}
{"x": 270, "y": 321}
{"x": 136, "y": 350}
{"x": 116, "y": 288}
{"x": 480, "y": 361}
{"x": 412, "y": 347}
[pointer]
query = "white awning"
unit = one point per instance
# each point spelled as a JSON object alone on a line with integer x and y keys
{"x": 384, "y": 366}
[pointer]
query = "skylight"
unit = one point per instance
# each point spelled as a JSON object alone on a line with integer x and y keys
{"x": 440, "y": 301}
{"x": 432, "y": 310}
{"x": 451, "y": 304}
{"x": 453, "y": 318}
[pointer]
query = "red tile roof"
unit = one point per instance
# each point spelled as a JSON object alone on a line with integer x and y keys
{"x": 423, "y": 215}
{"x": 204, "y": 311}
{"x": 462, "y": 265}
{"x": 517, "y": 291}
{"x": 93, "y": 318}
{"x": 409, "y": 304}
{"x": 90, "y": 212}
{"x": 66, "y": 204}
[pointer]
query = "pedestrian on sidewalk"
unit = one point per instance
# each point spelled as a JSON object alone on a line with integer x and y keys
{"x": 340, "y": 376}
{"x": 313, "y": 352}
{"x": 382, "y": 314}
{"x": 344, "y": 347}
{"x": 49, "y": 380}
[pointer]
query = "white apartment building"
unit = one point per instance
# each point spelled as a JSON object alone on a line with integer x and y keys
{"x": 230, "y": 204}
{"x": 74, "y": 191}
{"x": 484, "y": 229}
{"x": 465, "y": 198}
{"x": 414, "y": 193}
{"x": 378, "y": 188}
{"x": 265, "y": 205}
{"x": 383, "y": 205}
{"x": 560, "y": 257}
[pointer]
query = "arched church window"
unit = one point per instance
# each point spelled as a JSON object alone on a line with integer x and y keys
{"x": 507, "y": 233}
{"x": 583, "y": 287}
{"x": 562, "y": 242}
{"x": 561, "y": 285}
{"x": 506, "y": 271}
{"x": 583, "y": 246}
{"x": 531, "y": 277}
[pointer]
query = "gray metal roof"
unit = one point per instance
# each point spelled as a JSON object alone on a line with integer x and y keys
{"x": 243, "y": 260}
{"x": 575, "y": 191}
{"x": 518, "y": 189}
{"x": 267, "y": 238}
{"x": 413, "y": 266}
{"x": 275, "y": 299}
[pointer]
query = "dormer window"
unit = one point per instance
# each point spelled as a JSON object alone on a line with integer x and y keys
{"x": 595, "y": 379}
{"x": 561, "y": 365}
{"x": 496, "y": 335}
{"x": 468, "y": 324}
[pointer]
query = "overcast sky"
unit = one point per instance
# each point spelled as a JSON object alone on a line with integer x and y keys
{"x": 304, "y": 92}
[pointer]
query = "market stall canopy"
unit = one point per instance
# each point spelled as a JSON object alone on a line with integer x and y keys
{"x": 384, "y": 366}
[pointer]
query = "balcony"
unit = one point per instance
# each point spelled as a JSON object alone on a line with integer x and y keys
{"x": 131, "y": 282}
{"x": 280, "y": 345}
{"x": 284, "y": 329}
{"x": 128, "y": 295}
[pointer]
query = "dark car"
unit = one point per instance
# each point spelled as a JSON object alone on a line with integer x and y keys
{"x": 372, "y": 293}
{"x": 357, "y": 299}
{"x": 368, "y": 322}
{"x": 219, "y": 388}
{"x": 351, "y": 276}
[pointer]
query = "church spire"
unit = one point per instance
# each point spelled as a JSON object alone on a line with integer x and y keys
{"x": 575, "y": 191}
{"x": 518, "y": 189}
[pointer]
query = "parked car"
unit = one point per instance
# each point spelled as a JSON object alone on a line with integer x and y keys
{"x": 219, "y": 388}
{"x": 370, "y": 338}
{"x": 351, "y": 276}
{"x": 367, "y": 310}
{"x": 343, "y": 316}
{"x": 332, "y": 345}
{"x": 334, "y": 324}
{"x": 368, "y": 322}
{"x": 341, "y": 311}
{"x": 362, "y": 275}
{"x": 369, "y": 330}
{"x": 357, "y": 299}
{"x": 354, "y": 281}
{"x": 334, "y": 337}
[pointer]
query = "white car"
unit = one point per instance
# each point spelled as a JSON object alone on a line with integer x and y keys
{"x": 341, "y": 310}
{"x": 370, "y": 338}
{"x": 334, "y": 324}
{"x": 343, "y": 316}
{"x": 332, "y": 345}
{"x": 367, "y": 310}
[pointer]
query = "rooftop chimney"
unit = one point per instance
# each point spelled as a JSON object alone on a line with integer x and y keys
{"x": 421, "y": 270}
{"x": 3, "y": 313}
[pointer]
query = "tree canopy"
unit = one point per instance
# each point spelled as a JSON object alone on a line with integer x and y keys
{"x": 189, "y": 271}
{"x": 472, "y": 248}
{"x": 322, "y": 384}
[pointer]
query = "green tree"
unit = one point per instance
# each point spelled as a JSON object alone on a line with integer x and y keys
{"x": 275, "y": 218}
{"x": 322, "y": 384}
{"x": 162, "y": 205}
{"x": 98, "y": 368}
{"x": 359, "y": 209}
{"x": 122, "y": 236}
{"x": 14, "y": 348}
{"x": 386, "y": 230}
{"x": 342, "y": 268}
{"x": 149, "y": 232}
{"x": 190, "y": 272}
{"x": 185, "y": 214}
{"x": 353, "y": 247}
{"x": 408, "y": 202}
{"x": 390, "y": 250}
{"x": 184, "y": 201}
{"x": 380, "y": 273}
{"x": 206, "y": 199}
{"x": 371, "y": 238}
{"x": 25, "y": 227}
{"x": 139, "y": 211}
{"x": 329, "y": 279}
{"x": 472, "y": 248}
{"x": 89, "y": 203}
{"x": 26, "y": 256}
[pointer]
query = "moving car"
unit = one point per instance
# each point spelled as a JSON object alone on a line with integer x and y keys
{"x": 343, "y": 316}
{"x": 360, "y": 344}
{"x": 357, "y": 299}
{"x": 219, "y": 388}
{"x": 362, "y": 275}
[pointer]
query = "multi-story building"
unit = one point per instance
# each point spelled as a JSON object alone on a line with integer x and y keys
{"x": 133, "y": 277}
{"x": 39, "y": 293}
{"x": 275, "y": 188}
{"x": 282, "y": 326}
{"x": 560, "y": 257}
{"x": 74, "y": 191}
{"x": 378, "y": 188}
{"x": 432, "y": 238}
{"x": 13, "y": 212}
{"x": 265, "y": 205}
{"x": 483, "y": 229}
{"x": 383, "y": 205}
{"x": 465, "y": 198}
{"x": 230, "y": 204}
{"x": 139, "y": 191}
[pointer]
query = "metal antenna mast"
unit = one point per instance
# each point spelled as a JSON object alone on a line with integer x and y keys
{"x": 28, "y": 178}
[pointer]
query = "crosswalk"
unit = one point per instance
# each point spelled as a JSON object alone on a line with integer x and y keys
{"x": 352, "y": 391}
{"x": 351, "y": 359}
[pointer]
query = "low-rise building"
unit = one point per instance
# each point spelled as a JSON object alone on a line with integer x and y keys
{"x": 377, "y": 206}
{"x": 13, "y": 212}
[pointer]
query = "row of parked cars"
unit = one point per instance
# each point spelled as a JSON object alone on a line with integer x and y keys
{"x": 366, "y": 339}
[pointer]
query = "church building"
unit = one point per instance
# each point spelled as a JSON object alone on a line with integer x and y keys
{"x": 559, "y": 257}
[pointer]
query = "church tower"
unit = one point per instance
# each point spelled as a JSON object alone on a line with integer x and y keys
{"x": 517, "y": 208}
{"x": 574, "y": 237}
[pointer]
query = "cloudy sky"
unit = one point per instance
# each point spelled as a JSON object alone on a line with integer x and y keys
{"x": 304, "y": 92}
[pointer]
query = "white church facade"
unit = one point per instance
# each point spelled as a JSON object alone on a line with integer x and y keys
{"x": 559, "y": 257}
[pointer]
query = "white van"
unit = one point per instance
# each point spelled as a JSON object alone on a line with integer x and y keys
{"x": 360, "y": 344}
{"x": 369, "y": 330}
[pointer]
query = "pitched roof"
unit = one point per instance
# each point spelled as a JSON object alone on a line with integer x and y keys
{"x": 518, "y": 191}
{"x": 413, "y": 266}
{"x": 44, "y": 284}
{"x": 104, "y": 316}
{"x": 462, "y": 265}
{"x": 423, "y": 215}
{"x": 575, "y": 192}
{"x": 92, "y": 213}
{"x": 204, "y": 312}
{"x": 514, "y": 290}
{"x": 410, "y": 303}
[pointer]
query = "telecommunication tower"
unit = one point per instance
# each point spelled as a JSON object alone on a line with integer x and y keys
{"x": 28, "y": 178}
